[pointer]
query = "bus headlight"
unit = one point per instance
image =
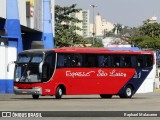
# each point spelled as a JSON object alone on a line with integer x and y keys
{"x": 37, "y": 90}
{"x": 15, "y": 87}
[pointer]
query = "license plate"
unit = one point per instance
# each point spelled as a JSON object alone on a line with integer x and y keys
{"x": 24, "y": 91}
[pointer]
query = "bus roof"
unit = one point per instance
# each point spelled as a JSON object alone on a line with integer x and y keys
{"x": 86, "y": 50}
{"x": 98, "y": 50}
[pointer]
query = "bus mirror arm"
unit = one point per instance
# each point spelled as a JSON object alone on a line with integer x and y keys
{"x": 10, "y": 64}
{"x": 40, "y": 67}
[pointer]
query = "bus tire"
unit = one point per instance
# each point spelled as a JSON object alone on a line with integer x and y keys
{"x": 105, "y": 96}
{"x": 128, "y": 93}
{"x": 59, "y": 93}
{"x": 35, "y": 96}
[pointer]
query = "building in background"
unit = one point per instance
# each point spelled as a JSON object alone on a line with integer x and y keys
{"x": 150, "y": 20}
{"x": 30, "y": 13}
{"x": 37, "y": 14}
{"x": 24, "y": 24}
{"x": 101, "y": 26}
{"x": 153, "y": 19}
{"x": 82, "y": 15}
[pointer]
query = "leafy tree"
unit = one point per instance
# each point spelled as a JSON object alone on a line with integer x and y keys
{"x": 97, "y": 42}
{"x": 145, "y": 42}
{"x": 65, "y": 32}
{"x": 149, "y": 36}
{"x": 108, "y": 34}
{"x": 150, "y": 29}
{"x": 117, "y": 28}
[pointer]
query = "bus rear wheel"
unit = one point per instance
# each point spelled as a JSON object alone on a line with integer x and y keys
{"x": 59, "y": 93}
{"x": 35, "y": 96}
{"x": 128, "y": 93}
{"x": 105, "y": 96}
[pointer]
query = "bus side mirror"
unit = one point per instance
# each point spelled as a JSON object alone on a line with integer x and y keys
{"x": 10, "y": 64}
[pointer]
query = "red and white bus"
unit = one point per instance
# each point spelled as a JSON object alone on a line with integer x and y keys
{"x": 77, "y": 71}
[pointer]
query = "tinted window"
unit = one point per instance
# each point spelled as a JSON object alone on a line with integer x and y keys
{"x": 48, "y": 67}
{"x": 37, "y": 59}
{"x": 148, "y": 60}
{"x": 140, "y": 61}
{"x": 122, "y": 61}
{"x": 104, "y": 61}
{"x": 127, "y": 61}
{"x": 31, "y": 58}
{"x": 116, "y": 60}
{"x": 90, "y": 60}
{"x": 24, "y": 59}
{"x": 133, "y": 61}
{"x": 69, "y": 60}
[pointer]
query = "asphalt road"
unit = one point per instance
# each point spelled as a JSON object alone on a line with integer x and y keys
{"x": 139, "y": 102}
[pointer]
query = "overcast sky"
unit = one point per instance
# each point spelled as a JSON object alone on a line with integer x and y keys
{"x": 126, "y": 12}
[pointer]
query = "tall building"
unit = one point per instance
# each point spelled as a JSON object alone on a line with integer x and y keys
{"x": 101, "y": 26}
{"x": 82, "y": 15}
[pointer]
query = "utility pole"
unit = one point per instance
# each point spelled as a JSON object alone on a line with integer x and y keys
{"x": 93, "y": 6}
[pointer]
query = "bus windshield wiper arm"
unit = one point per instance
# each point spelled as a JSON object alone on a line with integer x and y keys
{"x": 25, "y": 69}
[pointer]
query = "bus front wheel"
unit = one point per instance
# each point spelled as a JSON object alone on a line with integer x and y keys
{"x": 128, "y": 93}
{"x": 59, "y": 93}
{"x": 105, "y": 96}
{"x": 35, "y": 96}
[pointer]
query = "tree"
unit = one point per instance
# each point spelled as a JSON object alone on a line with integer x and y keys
{"x": 89, "y": 40}
{"x": 117, "y": 28}
{"x": 148, "y": 37}
{"x": 65, "y": 32}
{"x": 145, "y": 42}
{"x": 150, "y": 29}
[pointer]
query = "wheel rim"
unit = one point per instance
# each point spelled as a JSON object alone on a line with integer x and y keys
{"x": 128, "y": 91}
{"x": 60, "y": 91}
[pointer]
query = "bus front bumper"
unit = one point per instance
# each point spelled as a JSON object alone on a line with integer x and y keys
{"x": 33, "y": 91}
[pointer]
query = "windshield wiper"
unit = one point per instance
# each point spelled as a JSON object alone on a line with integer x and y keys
{"x": 25, "y": 70}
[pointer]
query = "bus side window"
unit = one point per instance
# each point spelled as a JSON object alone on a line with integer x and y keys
{"x": 60, "y": 62}
{"x": 67, "y": 60}
{"x": 90, "y": 60}
{"x": 104, "y": 61}
{"x": 76, "y": 60}
{"x": 116, "y": 61}
{"x": 140, "y": 61}
{"x": 101, "y": 61}
{"x": 107, "y": 61}
{"x": 63, "y": 60}
{"x": 148, "y": 60}
{"x": 127, "y": 62}
{"x": 122, "y": 61}
{"x": 110, "y": 61}
{"x": 48, "y": 67}
{"x": 133, "y": 61}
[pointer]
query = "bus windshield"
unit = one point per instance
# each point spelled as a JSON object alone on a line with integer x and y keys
{"x": 27, "y": 68}
{"x": 34, "y": 67}
{"x": 32, "y": 59}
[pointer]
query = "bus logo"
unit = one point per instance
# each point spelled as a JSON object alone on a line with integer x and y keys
{"x": 78, "y": 74}
{"x": 99, "y": 73}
